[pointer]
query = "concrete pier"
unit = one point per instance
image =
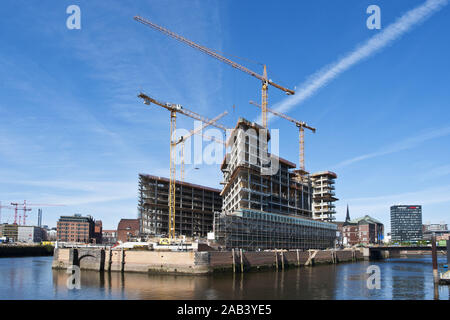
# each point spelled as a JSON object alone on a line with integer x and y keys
{"x": 193, "y": 262}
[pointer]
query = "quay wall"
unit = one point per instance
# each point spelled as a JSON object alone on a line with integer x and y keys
{"x": 193, "y": 262}
{"x": 7, "y": 251}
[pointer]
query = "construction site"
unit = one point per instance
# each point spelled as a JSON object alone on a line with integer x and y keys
{"x": 266, "y": 202}
{"x": 195, "y": 207}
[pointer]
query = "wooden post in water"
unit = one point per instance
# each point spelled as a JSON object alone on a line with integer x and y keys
{"x": 276, "y": 258}
{"x": 298, "y": 259}
{"x": 122, "y": 263}
{"x": 434, "y": 257}
{"x": 282, "y": 260}
{"x": 234, "y": 263}
{"x": 242, "y": 262}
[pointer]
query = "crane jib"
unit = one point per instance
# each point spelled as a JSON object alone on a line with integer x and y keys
{"x": 211, "y": 53}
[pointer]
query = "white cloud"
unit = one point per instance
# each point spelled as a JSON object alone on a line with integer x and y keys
{"x": 381, "y": 40}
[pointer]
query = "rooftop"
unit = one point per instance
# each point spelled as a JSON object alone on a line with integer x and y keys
{"x": 178, "y": 182}
{"x": 366, "y": 218}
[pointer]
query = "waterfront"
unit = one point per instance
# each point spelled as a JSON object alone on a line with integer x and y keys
{"x": 403, "y": 278}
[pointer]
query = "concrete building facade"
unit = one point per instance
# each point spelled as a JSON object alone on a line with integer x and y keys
{"x": 194, "y": 207}
{"x": 324, "y": 195}
{"x": 266, "y": 203}
{"x": 30, "y": 234}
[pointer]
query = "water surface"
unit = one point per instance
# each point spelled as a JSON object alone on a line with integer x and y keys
{"x": 403, "y": 278}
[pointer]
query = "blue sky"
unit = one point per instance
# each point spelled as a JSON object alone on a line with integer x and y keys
{"x": 73, "y": 132}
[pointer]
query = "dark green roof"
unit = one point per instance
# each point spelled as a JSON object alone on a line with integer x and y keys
{"x": 366, "y": 218}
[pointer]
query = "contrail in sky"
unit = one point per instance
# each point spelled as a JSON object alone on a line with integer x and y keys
{"x": 399, "y": 146}
{"x": 392, "y": 32}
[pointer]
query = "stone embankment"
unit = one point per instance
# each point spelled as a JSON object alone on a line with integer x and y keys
{"x": 194, "y": 262}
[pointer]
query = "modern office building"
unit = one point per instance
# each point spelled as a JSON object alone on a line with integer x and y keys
{"x": 406, "y": 223}
{"x": 266, "y": 202}
{"x": 194, "y": 207}
{"x": 76, "y": 228}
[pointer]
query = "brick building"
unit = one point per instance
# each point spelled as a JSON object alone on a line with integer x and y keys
{"x": 98, "y": 231}
{"x": 364, "y": 230}
{"x": 76, "y": 228}
{"x": 128, "y": 229}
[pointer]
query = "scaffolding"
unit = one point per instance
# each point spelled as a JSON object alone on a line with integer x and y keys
{"x": 194, "y": 207}
{"x": 247, "y": 187}
{"x": 266, "y": 211}
{"x": 253, "y": 230}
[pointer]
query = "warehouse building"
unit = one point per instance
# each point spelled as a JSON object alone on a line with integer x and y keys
{"x": 128, "y": 230}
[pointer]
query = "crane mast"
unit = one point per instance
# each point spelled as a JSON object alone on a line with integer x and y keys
{"x": 173, "y": 127}
{"x": 263, "y": 78}
{"x": 174, "y": 109}
{"x": 300, "y": 125}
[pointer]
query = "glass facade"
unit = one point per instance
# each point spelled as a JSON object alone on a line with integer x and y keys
{"x": 406, "y": 223}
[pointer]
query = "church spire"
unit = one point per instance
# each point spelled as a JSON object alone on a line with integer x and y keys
{"x": 347, "y": 218}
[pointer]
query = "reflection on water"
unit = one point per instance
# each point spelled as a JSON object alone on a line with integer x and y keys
{"x": 406, "y": 278}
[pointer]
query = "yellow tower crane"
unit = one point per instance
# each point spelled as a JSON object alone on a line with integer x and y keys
{"x": 263, "y": 78}
{"x": 301, "y": 126}
{"x": 174, "y": 109}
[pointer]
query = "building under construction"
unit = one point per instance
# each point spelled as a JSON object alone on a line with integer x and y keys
{"x": 267, "y": 204}
{"x": 324, "y": 196}
{"x": 194, "y": 207}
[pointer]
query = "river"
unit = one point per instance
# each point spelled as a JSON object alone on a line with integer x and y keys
{"x": 403, "y": 278}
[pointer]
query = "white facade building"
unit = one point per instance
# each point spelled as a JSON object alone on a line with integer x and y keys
{"x": 30, "y": 234}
